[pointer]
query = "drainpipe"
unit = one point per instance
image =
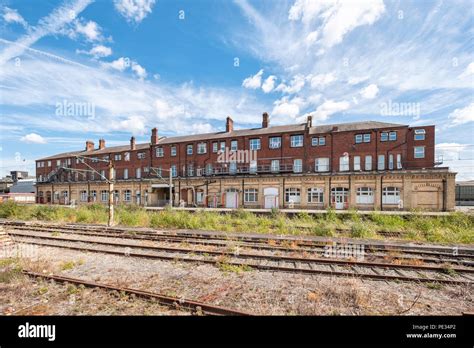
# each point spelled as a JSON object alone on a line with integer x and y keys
{"x": 243, "y": 194}
{"x": 445, "y": 186}
{"x": 381, "y": 192}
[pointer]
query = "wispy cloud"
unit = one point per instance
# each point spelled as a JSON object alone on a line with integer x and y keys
{"x": 50, "y": 24}
{"x": 134, "y": 10}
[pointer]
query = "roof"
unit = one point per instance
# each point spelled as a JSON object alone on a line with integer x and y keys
{"x": 341, "y": 127}
{"x": 23, "y": 187}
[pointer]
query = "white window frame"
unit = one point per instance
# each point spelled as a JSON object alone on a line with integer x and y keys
{"x": 215, "y": 147}
{"x": 234, "y": 145}
{"x": 293, "y": 193}
{"x": 189, "y": 149}
{"x": 365, "y": 195}
{"x": 297, "y": 165}
{"x": 359, "y": 138}
{"x": 381, "y": 162}
{"x": 201, "y": 148}
{"x": 118, "y": 157}
{"x": 399, "y": 161}
{"x": 420, "y": 154}
{"x": 420, "y": 134}
{"x": 315, "y": 195}
{"x": 392, "y": 138}
{"x": 390, "y": 195}
{"x": 190, "y": 169}
{"x": 274, "y": 142}
{"x": 173, "y": 151}
{"x": 174, "y": 171}
{"x": 384, "y": 136}
{"x": 356, "y": 163}
{"x": 104, "y": 195}
{"x": 126, "y": 156}
{"x": 251, "y": 195}
{"x": 138, "y": 173}
{"x": 254, "y": 144}
{"x": 296, "y": 140}
{"x": 125, "y": 173}
{"x": 160, "y": 152}
{"x": 127, "y": 195}
{"x": 368, "y": 162}
{"x": 83, "y": 196}
{"x": 321, "y": 164}
{"x": 366, "y": 138}
{"x": 390, "y": 161}
{"x": 344, "y": 163}
{"x": 275, "y": 166}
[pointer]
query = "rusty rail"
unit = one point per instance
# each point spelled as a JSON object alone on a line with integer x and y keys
{"x": 173, "y": 302}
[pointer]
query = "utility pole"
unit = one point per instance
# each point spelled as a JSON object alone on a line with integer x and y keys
{"x": 111, "y": 194}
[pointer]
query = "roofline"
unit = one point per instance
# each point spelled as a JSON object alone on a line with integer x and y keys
{"x": 176, "y": 139}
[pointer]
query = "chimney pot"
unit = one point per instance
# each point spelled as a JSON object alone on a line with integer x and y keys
{"x": 154, "y": 136}
{"x": 101, "y": 144}
{"x": 265, "y": 120}
{"x": 89, "y": 145}
{"x": 309, "y": 121}
{"x": 229, "y": 126}
{"x": 132, "y": 143}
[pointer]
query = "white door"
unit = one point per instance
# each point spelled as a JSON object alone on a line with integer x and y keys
{"x": 271, "y": 201}
{"x": 271, "y": 197}
{"x": 231, "y": 199}
{"x": 339, "y": 201}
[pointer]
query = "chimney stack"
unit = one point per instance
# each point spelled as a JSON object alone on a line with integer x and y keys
{"x": 101, "y": 144}
{"x": 132, "y": 143}
{"x": 154, "y": 136}
{"x": 309, "y": 121}
{"x": 229, "y": 126}
{"x": 89, "y": 145}
{"x": 265, "y": 120}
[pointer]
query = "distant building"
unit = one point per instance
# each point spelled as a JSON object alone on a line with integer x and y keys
{"x": 465, "y": 192}
{"x": 18, "y": 175}
{"x": 18, "y": 187}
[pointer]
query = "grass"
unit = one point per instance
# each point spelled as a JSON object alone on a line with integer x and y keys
{"x": 453, "y": 228}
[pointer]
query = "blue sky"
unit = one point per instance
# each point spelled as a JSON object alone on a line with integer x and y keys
{"x": 72, "y": 70}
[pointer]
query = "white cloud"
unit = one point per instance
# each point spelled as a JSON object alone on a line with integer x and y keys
{"x": 369, "y": 92}
{"x": 12, "y": 16}
{"x": 458, "y": 157}
{"x": 45, "y": 79}
{"x": 253, "y": 82}
{"x": 139, "y": 70}
{"x": 312, "y": 37}
{"x": 269, "y": 84}
{"x": 119, "y": 64}
{"x": 328, "y": 108}
{"x": 99, "y": 51}
{"x": 461, "y": 116}
{"x": 133, "y": 124}
{"x": 321, "y": 80}
{"x": 285, "y": 107}
{"x": 357, "y": 79}
{"x": 469, "y": 71}
{"x": 90, "y": 30}
{"x": 134, "y": 10}
{"x": 33, "y": 138}
{"x": 296, "y": 84}
{"x": 338, "y": 17}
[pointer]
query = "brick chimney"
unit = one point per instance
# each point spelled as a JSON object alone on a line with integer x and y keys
{"x": 132, "y": 143}
{"x": 154, "y": 136}
{"x": 229, "y": 126}
{"x": 265, "y": 120}
{"x": 309, "y": 121}
{"x": 101, "y": 144}
{"x": 89, "y": 145}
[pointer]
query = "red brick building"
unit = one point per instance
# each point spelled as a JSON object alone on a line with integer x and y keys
{"x": 365, "y": 165}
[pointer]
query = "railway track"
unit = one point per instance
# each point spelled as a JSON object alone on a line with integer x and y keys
{"x": 172, "y": 302}
{"x": 447, "y": 274}
{"x": 390, "y": 255}
{"x": 273, "y": 243}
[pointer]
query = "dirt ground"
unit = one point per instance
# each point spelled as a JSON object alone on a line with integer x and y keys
{"x": 253, "y": 291}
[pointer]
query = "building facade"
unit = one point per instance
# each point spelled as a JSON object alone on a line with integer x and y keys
{"x": 363, "y": 165}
